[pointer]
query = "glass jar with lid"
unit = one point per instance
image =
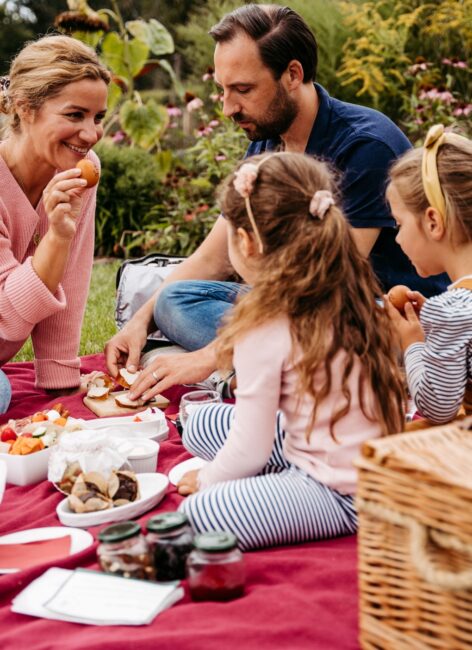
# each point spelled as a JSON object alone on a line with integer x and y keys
{"x": 215, "y": 568}
{"x": 170, "y": 541}
{"x": 123, "y": 551}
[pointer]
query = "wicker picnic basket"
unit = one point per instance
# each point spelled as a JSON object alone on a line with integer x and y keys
{"x": 415, "y": 540}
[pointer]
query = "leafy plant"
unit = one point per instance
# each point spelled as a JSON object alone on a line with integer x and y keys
{"x": 131, "y": 50}
{"x": 411, "y": 60}
{"x": 127, "y": 191}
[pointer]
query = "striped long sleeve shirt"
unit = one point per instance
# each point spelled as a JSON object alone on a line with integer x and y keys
{"x": 439, "y": 368}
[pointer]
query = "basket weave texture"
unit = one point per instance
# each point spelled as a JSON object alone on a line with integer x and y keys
{"x": 415, "y": 540}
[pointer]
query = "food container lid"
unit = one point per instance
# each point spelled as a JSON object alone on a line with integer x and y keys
{"x": 215, "y": 542}
{"x": 166, "y": 522}
{"x": 119, "y": 532}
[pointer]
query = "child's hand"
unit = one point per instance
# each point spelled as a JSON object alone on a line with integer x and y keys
{"x": 188, "y": 484}
{"x": 408, "y": 327}
{"x": 417, "y": 300}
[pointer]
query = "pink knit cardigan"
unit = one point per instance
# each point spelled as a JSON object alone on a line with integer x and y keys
{"x": 27, "y": 307}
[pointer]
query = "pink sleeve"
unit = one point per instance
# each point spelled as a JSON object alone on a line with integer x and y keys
{"x": 56, "y": 339}
{"x": 18, "y": 282}
{"x": 259, "y": 360}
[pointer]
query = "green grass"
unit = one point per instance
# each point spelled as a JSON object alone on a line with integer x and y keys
{"x": 99, "y": 321}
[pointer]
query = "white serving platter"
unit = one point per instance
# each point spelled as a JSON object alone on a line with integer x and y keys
{"x": 152, "y": 488}
{"x": 152, "y": 424}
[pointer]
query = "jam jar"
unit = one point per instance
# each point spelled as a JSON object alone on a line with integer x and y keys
{"x": 170, "y": 540}
{"x": 215, "y": 568}
{"x": 123, "y": 551}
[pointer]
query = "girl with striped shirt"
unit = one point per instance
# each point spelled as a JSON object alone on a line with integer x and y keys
{"x": 315, "y": 367}
{"x": 430, "y": 194}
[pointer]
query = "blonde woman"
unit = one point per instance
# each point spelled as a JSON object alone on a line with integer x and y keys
{"x": 308, "y": 342}
{"x": 54, "y": 99}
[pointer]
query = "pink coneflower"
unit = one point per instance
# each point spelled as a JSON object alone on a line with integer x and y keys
{"x": 209, "y": 74}
{"x": 118, "y": 137}
{"x": 456, "y": 63}
{"x": 204, "y": 130}
{"x": 435, "y": 93}
{"x": 194, "y": 105}
{"x": 462, "y": 111}
{"x": 173, "y": 111}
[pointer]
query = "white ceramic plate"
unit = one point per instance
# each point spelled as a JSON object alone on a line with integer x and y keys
{"x": 152, "y": 488}
{"x": 185, "y": 466}
{"x": 80, "y": 539}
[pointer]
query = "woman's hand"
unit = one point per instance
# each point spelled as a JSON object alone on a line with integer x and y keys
{"x": 124, "y": 349}
{"x": 408, "y": 327}
{"x": 188, "y": 484}
{"x": 174, "y": 369}
{"x": 62, "y": 199}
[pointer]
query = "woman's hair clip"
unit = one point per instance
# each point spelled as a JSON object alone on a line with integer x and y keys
{"x": 4, "y": 84}
{"x": 320, "y": 203}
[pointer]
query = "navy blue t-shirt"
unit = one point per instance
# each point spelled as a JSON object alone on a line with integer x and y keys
{"x": 362, "y": 143}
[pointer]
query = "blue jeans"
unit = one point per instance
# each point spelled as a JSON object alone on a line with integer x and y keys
{"x": 5, "y": 392}
{"x": 189, "y": 312}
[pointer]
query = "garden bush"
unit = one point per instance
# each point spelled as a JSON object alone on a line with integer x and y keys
{"x": 127, "y": 191}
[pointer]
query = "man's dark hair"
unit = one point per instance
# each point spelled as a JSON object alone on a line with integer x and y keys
{"x": 280, "y": 33}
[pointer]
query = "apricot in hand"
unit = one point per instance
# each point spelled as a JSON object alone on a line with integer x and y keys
{"x": 89, "y": 171}
{"x": 398, "y": 296}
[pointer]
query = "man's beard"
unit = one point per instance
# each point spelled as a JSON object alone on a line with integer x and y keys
{"x": 277, "y": 120}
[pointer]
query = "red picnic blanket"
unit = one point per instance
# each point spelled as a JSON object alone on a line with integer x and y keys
{"x": 301, "y": 597}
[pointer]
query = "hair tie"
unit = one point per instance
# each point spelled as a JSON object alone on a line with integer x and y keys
{"x": 4, "y": 84}
{"x": 244, "y": 181}
{"x": 320, "y": 203}
{"x": 435, "y": 138}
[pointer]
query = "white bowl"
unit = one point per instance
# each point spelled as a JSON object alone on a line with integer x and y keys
{"x": 143, "y": 456}
{"x": 27, "y": 469}
{"x": 152, "y": 488}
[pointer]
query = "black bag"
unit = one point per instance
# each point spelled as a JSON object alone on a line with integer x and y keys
{"x": 137, "y": 280}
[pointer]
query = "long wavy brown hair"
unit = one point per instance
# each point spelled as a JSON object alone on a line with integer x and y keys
{"x": 312, "y": 272}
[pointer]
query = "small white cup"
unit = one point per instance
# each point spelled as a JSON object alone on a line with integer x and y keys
{"x": 143, "y": 455}
{"x": 194, "y": 400}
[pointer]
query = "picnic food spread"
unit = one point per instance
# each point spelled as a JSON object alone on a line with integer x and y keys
{"x": 93, "y": 491}
{"x": 33, "y": 433}
{"x": 89, "y": 171}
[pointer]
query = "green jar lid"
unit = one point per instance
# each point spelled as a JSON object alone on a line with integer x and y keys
{"x": 118, "y": 532}
{"x": 215, "y": 542}
{"x": 166, "y": 522}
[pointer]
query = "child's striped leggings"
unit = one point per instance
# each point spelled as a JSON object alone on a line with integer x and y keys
{"x": 281, "y": 505}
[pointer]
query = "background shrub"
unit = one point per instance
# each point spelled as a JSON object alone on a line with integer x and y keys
{"x": 127, "y": 191}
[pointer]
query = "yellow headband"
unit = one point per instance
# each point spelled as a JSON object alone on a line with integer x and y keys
{"x": 435, "y": 138}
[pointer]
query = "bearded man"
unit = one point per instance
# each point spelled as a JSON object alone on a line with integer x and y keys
{"x": 265, "y": 64}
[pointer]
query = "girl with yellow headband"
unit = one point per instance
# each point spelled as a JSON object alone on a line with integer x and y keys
{"x": 430, "y": 194}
